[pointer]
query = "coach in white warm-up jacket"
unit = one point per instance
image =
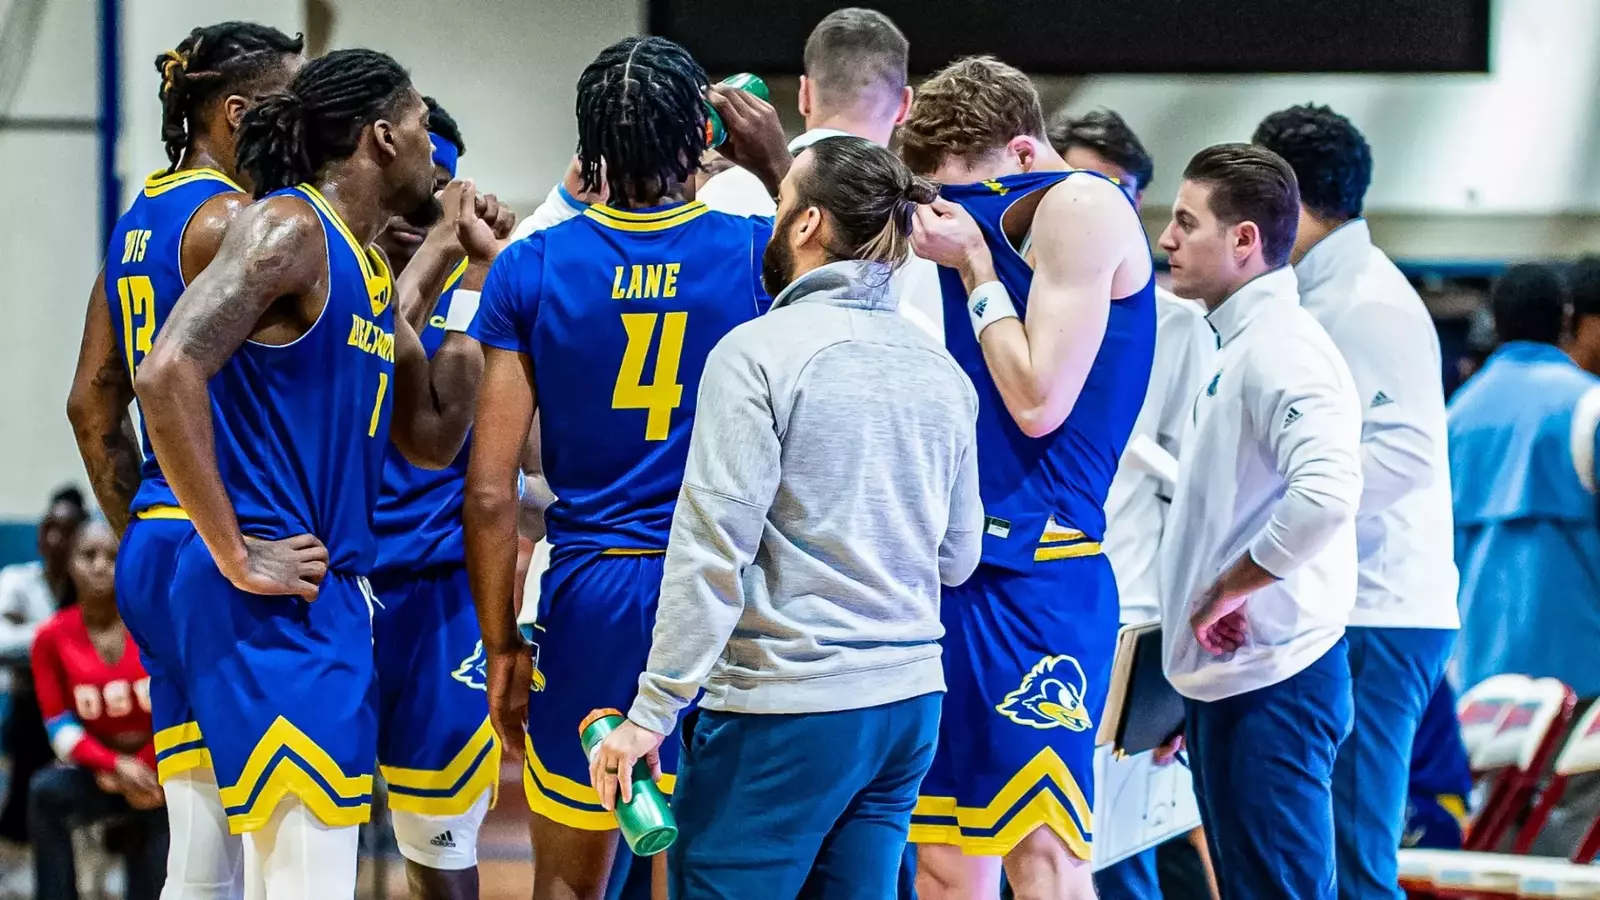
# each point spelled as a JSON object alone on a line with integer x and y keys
{"x": 1405, "y": 619}
{"x": 1258, "y": 570}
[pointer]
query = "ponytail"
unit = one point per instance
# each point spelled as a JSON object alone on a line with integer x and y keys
{"x": 271, "y": 144}
{"x": 870, "y": 198}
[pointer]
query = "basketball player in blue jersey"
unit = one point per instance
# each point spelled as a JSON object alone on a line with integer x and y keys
{"x": 1052, "y": 269}
{"x": 601, "y": 323}
{"x": 268, "y": 398}
{"x": 436, "y": 751}
{"x": 164, "y": 240}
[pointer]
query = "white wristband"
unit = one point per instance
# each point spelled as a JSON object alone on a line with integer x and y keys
{"x": 463, "y": 307}
{"x": 988, "y": 303}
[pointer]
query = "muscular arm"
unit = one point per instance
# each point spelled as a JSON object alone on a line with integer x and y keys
{"x": 273, "y": 251}
{"x": 1081, "y": 235}
{"x": 500, "y": 433}
{"x": 97, "y": 406}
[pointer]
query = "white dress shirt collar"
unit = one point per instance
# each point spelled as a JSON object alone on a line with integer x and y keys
{"x": 1269, "y": 289}
{"x": 814, "y": 135}
{"x": 1344, "y": 247}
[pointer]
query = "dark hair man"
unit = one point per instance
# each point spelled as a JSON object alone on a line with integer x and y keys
{"x": 1404, "y": 623}
{"x": 268, "y": 399}
{"x": 1100, "y": 140}
{"x": 1259, "y": 569}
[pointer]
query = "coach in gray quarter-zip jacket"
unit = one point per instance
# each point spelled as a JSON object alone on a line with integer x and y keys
{"x": 832, "y": 486}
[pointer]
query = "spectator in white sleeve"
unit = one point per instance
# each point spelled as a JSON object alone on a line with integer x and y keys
{"x": 1258, "y": 571}
{"x": 1405, "y": 619}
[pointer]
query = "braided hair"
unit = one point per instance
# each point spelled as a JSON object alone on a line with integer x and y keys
{"x": 641, "y": 111}
{"x": 214, "y": 61}
{"x": 287, "y": 138}
{"x": 444, "y": 125}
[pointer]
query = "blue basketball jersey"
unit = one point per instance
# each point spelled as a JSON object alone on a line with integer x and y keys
{"x": 144, "y": 279}
{"x": 418, "y": 517}
{"x": 301, "y": 428}
{"x": 1026, "y": 482}
{"x": 617, "y": 311}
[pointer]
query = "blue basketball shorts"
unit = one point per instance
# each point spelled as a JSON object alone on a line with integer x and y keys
{"x": 596, "y": 614}
{"x": 436, "y": 750}
{"x": 284, "y": 691}
{"x": 145, "y": 564}
{"x": 1027, "y": 661}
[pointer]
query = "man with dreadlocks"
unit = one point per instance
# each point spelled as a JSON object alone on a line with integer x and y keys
{"x": 166, "y": 238}
{"x": 602, "y": 324}
{"x": 268, "y": 399}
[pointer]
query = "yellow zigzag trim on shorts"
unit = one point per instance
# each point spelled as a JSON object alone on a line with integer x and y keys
{"x": 290, "y": 774}
{"x": 566, "y": 802}
{"x": 1044, "y": 809}
{"x": 431, "y": 792}
{"x": 184, "y": 760}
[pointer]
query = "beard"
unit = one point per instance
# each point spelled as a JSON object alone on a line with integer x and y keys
{"x": 777, "y": 262}
{"x": 426, "y": 213}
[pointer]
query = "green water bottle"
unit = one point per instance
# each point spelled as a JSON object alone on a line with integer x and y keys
{"x": 716, "y": 133}
{"x": 646, "y": 820}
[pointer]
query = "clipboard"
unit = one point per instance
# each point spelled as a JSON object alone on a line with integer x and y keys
{"x": 1142, "y": 708}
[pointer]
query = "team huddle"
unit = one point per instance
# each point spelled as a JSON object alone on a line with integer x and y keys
{"x": 358, "y": 378}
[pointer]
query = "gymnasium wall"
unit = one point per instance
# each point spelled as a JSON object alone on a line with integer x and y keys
{"x": 1477, "y": 167}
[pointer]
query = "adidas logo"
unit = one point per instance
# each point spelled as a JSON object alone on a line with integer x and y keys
{"x": 980, "y": 306}
{"x": 443, "y": 840}
{"x": 1380, "y": 399}
{"x": 1292, "y": 417}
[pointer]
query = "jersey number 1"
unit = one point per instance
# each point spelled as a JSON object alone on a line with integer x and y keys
{"x": 138, "y": 299}
{"x": 663, "y": 394}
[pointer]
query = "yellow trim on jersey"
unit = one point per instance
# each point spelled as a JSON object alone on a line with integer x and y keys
{"x": 404, "y": 783}
{"x": 289, "y": 775}
{"x": 1070, "y": 551}
{"x": 631, "y": 551}
{"x": 1456, "y": 806}
{"x": 1044, "y": 809}
{"x": 1061, "y": 542}
{"x": 164, "y": 512}
{"x": 374, "y": 267}
{"x": 158, "y": 183}
{"x": 623, "y": 220}
{"x": 457, "y": 274}
{"x": 554, "y": 800}
{"x": 179, "y": 763}
{"x": 177, "y": 736}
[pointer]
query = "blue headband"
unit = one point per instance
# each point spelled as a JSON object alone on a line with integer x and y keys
{"x": 445, "y": 153}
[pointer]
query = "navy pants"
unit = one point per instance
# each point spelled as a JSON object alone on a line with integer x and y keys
{"x": 1394, "y": 672}
{"x": 785, "y": 806}
{"x": 1131, "y": 879}
{"x": 1263, "y": 766}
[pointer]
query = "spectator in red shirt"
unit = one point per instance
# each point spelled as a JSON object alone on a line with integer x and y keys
{"x": 95, "y": 697}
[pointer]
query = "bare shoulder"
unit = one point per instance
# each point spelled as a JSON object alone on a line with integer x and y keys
{"x": 1089, "y": 218}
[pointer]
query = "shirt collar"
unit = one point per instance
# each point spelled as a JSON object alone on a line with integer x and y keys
{"x": 1340, "y": 248}
{"x": 811, "y": 137}
{"x": 850, "y": 283}
{"x": 1530, "y": 351}
{"x": 1262, "y": 292}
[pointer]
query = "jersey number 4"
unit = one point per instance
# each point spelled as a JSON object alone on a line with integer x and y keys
{"x": 663, "y": 394}
{"x": 138, "y": 298}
